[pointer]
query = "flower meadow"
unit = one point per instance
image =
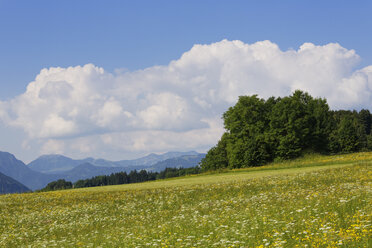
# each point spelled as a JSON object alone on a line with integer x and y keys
{"x": 319, "y": 208}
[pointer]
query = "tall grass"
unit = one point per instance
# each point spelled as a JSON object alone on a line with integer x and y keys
{"x": 319, "y": 208}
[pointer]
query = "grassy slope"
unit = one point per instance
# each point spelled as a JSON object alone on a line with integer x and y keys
{"x": 306, "y": 164}
{"x": 321, "y": 201}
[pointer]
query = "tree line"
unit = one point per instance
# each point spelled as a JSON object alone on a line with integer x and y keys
{"x": 122, "y": 178}
{"x": 259, "y": 131}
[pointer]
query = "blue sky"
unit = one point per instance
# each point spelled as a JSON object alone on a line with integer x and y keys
{"x": 115, "y": 101}
{"x": 138, "y": 34}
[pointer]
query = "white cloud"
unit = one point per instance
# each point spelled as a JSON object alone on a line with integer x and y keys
{"x": 109, "y": 113}
{"x": 172, "y": 107}
{"x": 54, "y": 126}
{"x": 53, "y": 147}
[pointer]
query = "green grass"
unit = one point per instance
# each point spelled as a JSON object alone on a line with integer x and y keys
{"x": 307, "y": 163}
{"x": 318, "y": 201}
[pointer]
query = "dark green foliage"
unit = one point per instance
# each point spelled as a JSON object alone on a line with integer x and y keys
{"x": 348, "y": 134}
{"x": 365, "y": 119}
{"x": 178, "y": 172}
{"x": 299, "y": 123}
{"x": 247, "y": 124}
{"x": 259, "y": 131}
{"x": 217, "y": 156}
{"x": 369, "y": 142}
{"x": 113, "y": 179}
{"x": 57, "y": 185}
{"x": 135, "y": 177}
{"x": 123, "y": 178}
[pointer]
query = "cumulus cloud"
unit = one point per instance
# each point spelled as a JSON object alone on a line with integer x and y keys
{"x": 53, "y": 146}
{"x": 178, "y": 106}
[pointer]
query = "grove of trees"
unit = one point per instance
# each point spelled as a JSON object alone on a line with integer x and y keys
{"x": 122, "y": 178}
{"x": 259, "y": 131}
{"x": 57, "y": 185}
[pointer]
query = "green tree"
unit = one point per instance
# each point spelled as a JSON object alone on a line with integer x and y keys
{"x": 247, "y": 124}
{"x": 345, "y": 138}
{"x": 216, "y": 158}
{"x": 365, "y": 120}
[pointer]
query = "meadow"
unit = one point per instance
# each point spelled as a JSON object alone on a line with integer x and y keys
{"x": 316, "y": 201}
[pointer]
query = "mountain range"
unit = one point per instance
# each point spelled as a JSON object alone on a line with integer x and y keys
{"x": 58, "y": 164}
{"x": 90, "y": 169}
{"x": 38, "y": 173}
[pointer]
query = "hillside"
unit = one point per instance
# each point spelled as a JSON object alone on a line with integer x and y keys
{"x": 16, "y": 169}
{"x": 316, "y": 201}
{"x": 8, "y": 185}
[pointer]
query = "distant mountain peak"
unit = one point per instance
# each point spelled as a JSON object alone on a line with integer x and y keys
{"x": 85, "y": 165}
{"x": 49, "y": 156}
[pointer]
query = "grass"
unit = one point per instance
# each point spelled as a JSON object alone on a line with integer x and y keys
{"x": 316, "y": 201}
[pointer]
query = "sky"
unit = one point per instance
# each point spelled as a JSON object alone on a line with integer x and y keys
{"x": 122, "y": 79}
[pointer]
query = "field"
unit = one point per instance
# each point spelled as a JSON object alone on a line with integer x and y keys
{"x": 317, "y": 201}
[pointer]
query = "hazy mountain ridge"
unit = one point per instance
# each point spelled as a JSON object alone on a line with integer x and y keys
{"x": 152, "y": 158}
{"x": 55, "y": 163}
{"x": 59, "y": 164}
{"x": 88, "y": 170}
{"x": 185, "y": 161}
{"x": 9, "y": 185}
